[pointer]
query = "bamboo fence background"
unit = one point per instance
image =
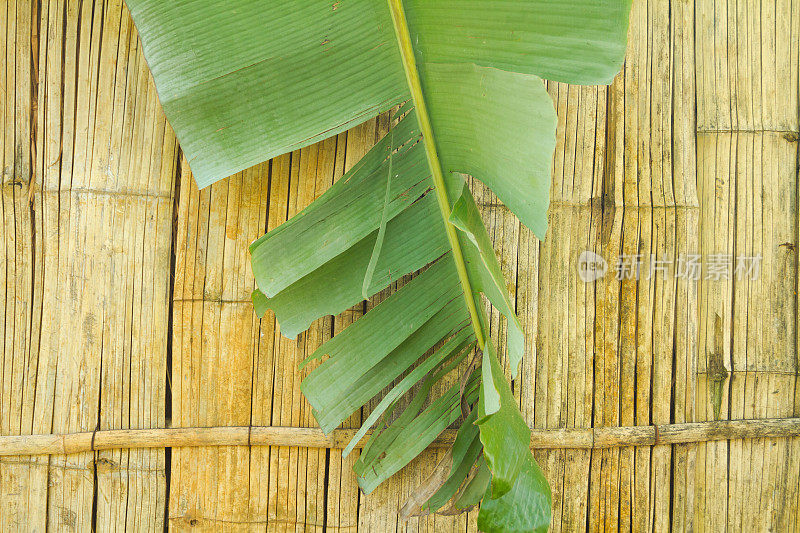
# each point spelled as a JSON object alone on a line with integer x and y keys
{"x": 126, "y": 302}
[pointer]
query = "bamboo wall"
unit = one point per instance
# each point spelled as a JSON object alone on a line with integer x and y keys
{"x": 126, "y": 301}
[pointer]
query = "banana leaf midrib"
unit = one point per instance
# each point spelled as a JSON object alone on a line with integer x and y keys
{"x": 412, "y": 75}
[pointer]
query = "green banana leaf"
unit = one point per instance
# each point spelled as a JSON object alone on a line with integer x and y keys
{"x": 242, "y": 81}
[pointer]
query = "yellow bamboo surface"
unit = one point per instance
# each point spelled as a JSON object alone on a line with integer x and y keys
{"x": 126, "y": 302}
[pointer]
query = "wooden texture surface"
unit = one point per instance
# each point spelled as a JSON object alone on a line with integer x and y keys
{"x": 126, "y": 301}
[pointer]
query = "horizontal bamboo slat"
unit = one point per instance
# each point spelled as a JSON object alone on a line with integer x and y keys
{"x": 578, "y": 438}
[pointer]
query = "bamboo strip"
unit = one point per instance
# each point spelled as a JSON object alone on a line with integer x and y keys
{"x": 579, "y": 438}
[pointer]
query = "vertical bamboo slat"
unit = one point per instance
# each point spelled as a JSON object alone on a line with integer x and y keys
{"x": 88, "y": 307}
{"x": 555, "y": 383}
{"x": 747, "y": 119}
{"x": 216, "y": 347}
{"x": 684, "y": 163}
{"x": 23, "y": 482}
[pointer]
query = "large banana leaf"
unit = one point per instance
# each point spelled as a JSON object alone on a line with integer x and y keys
{"x": 242, "y": 81}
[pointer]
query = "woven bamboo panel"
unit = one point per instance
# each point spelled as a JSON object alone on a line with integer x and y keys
{"x": 126, "y": 301}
